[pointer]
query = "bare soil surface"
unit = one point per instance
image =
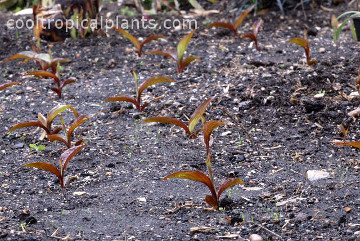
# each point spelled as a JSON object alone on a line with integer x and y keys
{"x": 114, "y": 188}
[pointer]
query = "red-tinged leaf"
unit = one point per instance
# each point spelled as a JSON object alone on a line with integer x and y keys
{"x": 250, "y": 36}
{"x": 229, "y": 183}
{"x": 47, "y": 167}
{"x": 67, "y": 155}
{"x": 123, "y": 98}
{"x": 198, "y": 113}
{"x": 186, "y": 62}
{"x": 168, "y": 54}
{"x": 182, "y": 46}
{"x": 212, "y": 201}
{"x": 81, "y": 119}
{"x": 242, "y": 16}
{"x": 130, "y": 37}
{"x": 223, "y": 25}
{"x": 257, "y": 26}
{"x": 151, "y": 38}
{"x": 74, "y": 111}
{"x": 43, "y": 73}
{"x": 79, "y": 142}
{"x": 67, "y": 81}
{"x": 169, "y": 120}
{"x": 208, "y": 128}
{"x": 21, "y": 55}
{"x": 57, "y": 137}
{"x": 301, "y": 42}
{"x": 352, "y": 143}
{"x": 194, "y": 176}
{"x": 3, "y": 86}
{"x": 28, "y": 124}
{"x": 144, "y": 105}
{"x": 60, "y": 60}
{"x": 57, "y": 91}
{"x": 153, "y": 81}
{"x": 54, "y": 112}
{"x": 312, "y": 61}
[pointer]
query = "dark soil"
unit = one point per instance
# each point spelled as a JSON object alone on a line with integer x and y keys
{"x": 270, "y": 92}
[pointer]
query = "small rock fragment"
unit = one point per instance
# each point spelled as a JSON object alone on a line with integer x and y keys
{"x": 19, "y": 145}
{"x": 347, "y": 209}
{"x": 314, "y": 175}
{"x": 322, "y": 50}
{"x": 141, "y": 199}
{"x": 79, "y": 193}
{"x": 255, "y": 237}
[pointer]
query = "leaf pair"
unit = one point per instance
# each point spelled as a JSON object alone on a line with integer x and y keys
{"x": 59, "y": 83}
{"x": 213, "y": 199}
{"x": 335, "y": 23}
{"x": 43, "y": 60}
{"x": 256, "y": 27}
{"x": 179, "y": 55}
{"x": 137, "y": 101}
{"x": 64, "y": 160}
{"x": 237, "y": 23}
{"x": 305, "y": 44}
{"x": 139, "y": 45}
{"x": 6, "y": 85}
{"x": 194, "y": 119}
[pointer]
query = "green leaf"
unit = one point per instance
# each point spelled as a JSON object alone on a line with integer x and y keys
{"x": 208, "y": 128}
{"x": 194, "y": 176}
{"x": 153, "y": 81}
{"x": 54, "y": 112}
{"x": 182, "y": 46}
{"x": 3, "y": 86}
{"x": 198, "y": 113}
{"x": 47, "y": 167}
{"x": 130, "y": 37}
{"x": 169, "y": 120}
{"x": 67, "y": 155}
{"x": 229, "y": 183}
{"x": 28, "y": 124}
{"x": 352, "y": 143}
{"x": 242, "y": 16}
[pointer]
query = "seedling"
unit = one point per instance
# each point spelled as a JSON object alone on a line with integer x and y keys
{"x": 338, "y": 27}
{"x": 139, "y": 45}
{"x": 303, "y": 42}
{"x": 4, "y": 86}
{"x": 194, "y": 119}
{"x": 208, "y": 180}
{"x": 65, "y": 157}
{"x": 137, "y": 101}
{"x": 37, "y": 147}
{"x": 59, "y": 83}
{"x": 43, "y": 60}
{"x": 45, "y": 123}
{"x": 351, "y": 143}
{"x": 179, "y": 55}
{"x": 256, "y": 27}
{"x": 237, "y": 23}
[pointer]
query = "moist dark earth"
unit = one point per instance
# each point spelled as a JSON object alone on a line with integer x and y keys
{"x": 114, "y": 188}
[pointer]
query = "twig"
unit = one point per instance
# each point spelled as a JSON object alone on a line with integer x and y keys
{"x": 272, "y": 232}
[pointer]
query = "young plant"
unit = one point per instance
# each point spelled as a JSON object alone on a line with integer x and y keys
{"x": 345, "y": 143}
{"x": 194, "y": 119}
{"x": 213, "y": 199}
{"x": 338, "y": 27}
{"x": 256, "y": 27}
{"x": 4, "y": 86}
{"x": 233, "y": 27}
{"x": 179, "y": 55}
{"x": 66, "y": 139}
{"x": 60, "y": 84}
{"x": 45, "y": 123}
{"x": 137, "y": 100}
{"x": 65, "y": 157}
{"x": 139, "y": 45}
{"x": 43, "y": 60}
{"x": 303, "y": 42}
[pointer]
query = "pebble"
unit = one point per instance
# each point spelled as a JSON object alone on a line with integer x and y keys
{"x": 255, "y": 237}
{"x": 314, "y": 175}
{"x": 322, "y": 50}
{"x": 19, "y": 145}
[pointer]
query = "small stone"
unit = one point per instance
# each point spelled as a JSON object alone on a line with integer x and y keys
{"x": 347, "y": 209}
{"x": 318, "y": 96}
{"x": 141, "y": 199}
{"x": 255, "y": 237}
{"x": 19, "y": 145}
{"x": 79, "y": 193}
{"x": 314, "y": 175}
{"x": 322, "y": 50}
